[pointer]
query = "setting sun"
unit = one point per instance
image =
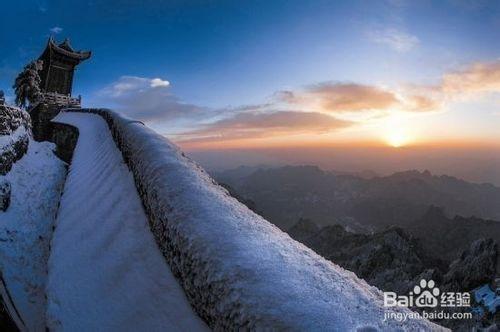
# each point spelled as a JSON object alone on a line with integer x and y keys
{"x": 397, "y": 139}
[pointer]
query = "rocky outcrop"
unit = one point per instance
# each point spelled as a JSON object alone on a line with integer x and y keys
{"x": 391, "y": 260}
{"x": 41, "y": 115}
{"x": 15, "y": 130}
{"x": 447, "y": 237}
{"x": 475, "y": 267}
{"x": 4, "y": 195}
{"x": 11, "y": 118}
{"x": 12, "y": 152}
{"x": 394, "y": 260}
{"x": 65, "y": 137}
{"x": 303, "y": 230}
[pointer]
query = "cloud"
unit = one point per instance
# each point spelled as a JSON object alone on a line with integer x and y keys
{"x": 397, "y": 40}
{"x": 315, "y": 109}
{"x": 56, "y": 30}
{"x": 419, "y": 103}
{"x": 266, "y": 124}
{"x": 475, "y": 79}
{"x": 42, "y": 5}
{"x": 471, "y": 81}
{"x": 341, "y": 97}
{"x": 147, "y": 99}
{"x": 126, "y": 84}
{"x": 158, "y": 82}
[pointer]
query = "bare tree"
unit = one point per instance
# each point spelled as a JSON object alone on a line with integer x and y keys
{"x": 27, "y": 84}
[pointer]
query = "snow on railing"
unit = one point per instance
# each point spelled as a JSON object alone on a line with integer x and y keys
{"x": 237, "y": 269}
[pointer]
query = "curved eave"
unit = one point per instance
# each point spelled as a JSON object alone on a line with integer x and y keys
{"x": 74, "y": 55}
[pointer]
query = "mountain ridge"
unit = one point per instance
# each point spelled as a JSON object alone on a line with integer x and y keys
{"x": 286, "y": 194}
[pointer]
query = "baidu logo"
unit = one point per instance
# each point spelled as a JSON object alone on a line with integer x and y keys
{"x": 427, "y": 295}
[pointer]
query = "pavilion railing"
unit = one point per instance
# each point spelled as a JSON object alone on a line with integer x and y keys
{"x": 58, "y": 99}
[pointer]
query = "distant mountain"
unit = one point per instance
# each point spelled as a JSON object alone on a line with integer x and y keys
{"x": 239, "y": 173}
{"x": 286, "y": 194}
{"x": 429, "y": 219}
{"x": 447, "y": 236}
{"x": 396, "y": 260}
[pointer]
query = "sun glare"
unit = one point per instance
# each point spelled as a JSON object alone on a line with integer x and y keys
{"x": 397, "y": 139}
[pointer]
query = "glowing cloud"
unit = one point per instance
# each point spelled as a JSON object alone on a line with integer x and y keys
{"x": 341, "y": 97}
{"x": 267, "y": 124}
{"x": 476, "y": 78}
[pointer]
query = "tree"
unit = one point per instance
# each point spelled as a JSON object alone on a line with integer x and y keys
{"x": 27, "y": 84}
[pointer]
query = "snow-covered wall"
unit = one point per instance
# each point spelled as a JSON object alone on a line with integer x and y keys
{"x": 15, "y": 129}
{"x": 237, "y": 269}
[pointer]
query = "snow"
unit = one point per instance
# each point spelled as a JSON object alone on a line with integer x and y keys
{"x": 7, "y": 140}
{"x": 105, "y": 270}
{"x": 26, "y": 227}
{"x": 237, "y": 269}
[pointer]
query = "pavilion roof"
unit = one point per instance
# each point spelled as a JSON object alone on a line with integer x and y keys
{"x": 66, "y": 49}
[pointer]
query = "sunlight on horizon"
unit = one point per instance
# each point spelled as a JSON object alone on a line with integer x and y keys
{"x": 397, "y": 139}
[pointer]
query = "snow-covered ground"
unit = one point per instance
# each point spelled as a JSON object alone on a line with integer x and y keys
{"x": 105, "y": 269}
{"x": 26, "y": 228}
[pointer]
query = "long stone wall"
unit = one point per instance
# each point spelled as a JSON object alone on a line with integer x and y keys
{"x": 239, "y": 271}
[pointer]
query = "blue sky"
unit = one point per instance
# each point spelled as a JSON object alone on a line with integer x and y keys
{"x": 228, "y": 62}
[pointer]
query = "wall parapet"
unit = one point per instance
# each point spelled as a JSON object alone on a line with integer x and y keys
{"x": 237, "y": 269}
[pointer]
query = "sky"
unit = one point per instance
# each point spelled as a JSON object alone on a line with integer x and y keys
{"x": 215, "y": 75}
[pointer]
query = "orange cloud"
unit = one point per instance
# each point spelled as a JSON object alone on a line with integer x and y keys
{"x": 420, "y": 103}
{"x": 477, "y": 78}
{"x": 265, "y": 124}
{"x": 341, "y": 97}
